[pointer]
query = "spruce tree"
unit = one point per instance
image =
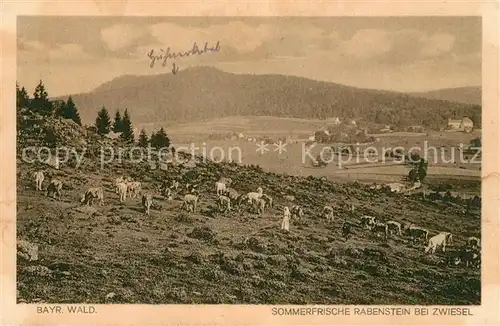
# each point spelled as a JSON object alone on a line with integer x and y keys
{"x": 102, "y": 122}
{"x": 71, "y": 112}
{"x": 40, "y": 103}
{"x": 160, "y": 139}
{"x": 117, "y": 125}
{"x": 59, "y": 108}
{"x": 127, "y": 131}
{"x": 143, "y": 138}
{"x": 22, "y": 98}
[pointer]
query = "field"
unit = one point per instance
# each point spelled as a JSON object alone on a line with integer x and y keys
{"x": 444, "y": 163}
{"x": 117, "y": 254}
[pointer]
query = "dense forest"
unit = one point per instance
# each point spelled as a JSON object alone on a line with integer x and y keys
{"x": 204, "y": 93}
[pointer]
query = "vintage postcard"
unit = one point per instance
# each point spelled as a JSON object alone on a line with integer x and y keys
{"x": 286, "y": 163}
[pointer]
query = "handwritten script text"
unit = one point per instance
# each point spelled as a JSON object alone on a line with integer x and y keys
{"x": 163, "y": 55}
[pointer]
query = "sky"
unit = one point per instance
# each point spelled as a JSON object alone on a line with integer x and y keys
{"x": 75, "y": 54}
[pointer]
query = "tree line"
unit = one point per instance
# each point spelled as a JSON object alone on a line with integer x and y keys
{"x": 123, "y": 125}
{"x": 40, "y": 104}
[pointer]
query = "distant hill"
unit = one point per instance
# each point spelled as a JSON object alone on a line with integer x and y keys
{"x": 202, "y": 93}
{"x": 469, "y": 95}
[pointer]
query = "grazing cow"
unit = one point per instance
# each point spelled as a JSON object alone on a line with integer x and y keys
{"x": 449, "y": 237}
{"x": 393, "y": 225}
{"x": 396, "y": 187}
{"x": 39, "y": 177}
{"x": 473, "y": 242}
{"x": 438, "y": 240}
{"x": 346, "y": 230}
{"x": 241, "y": 201}
{"x": 232, "y": 194}
{"x": 469, "y": 256}
{"x": 54, "y": 188}
{"x": 167, "y": 193}
{"x": 290, "y": 198}
{"x": 91, "y": 194}
{"x": 147, "y": 201}
{"x": 225, "y": 180}
{"x": 121, "y": 189}
{"x": 416, "y": 232}
{"x": 119, "y": 180}
{"x": 191, "y": 188}
{"x": 190, "y": 202}
{"x": 134, "y": 189}
{"x": 220, "y": 187}
{"x": 175, "y": 185}
{"x": 328, "y": 213}
{"x": 253, "y": 196}
{"x": 379, "y": 227}
{"x": 297, "y": 212}
{"x": 260, "y": 205}
{"x": 223, "y": 203}
{"x": 268, "y": 199}
{"x": 367, "y": 221}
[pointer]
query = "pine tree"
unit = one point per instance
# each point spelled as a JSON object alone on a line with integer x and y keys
{"x": 117, "y": 125}
{"x": 143, "y": 138}
{"x": 127, "y": 131}
{"x": 160, "y": 139}
{"x": 22, "y": 98}
{"x": 71, "y": 112}
{"x": 102, "y": 122}
{"x": 59, "y": 107}
{"x": 40, "y": 102}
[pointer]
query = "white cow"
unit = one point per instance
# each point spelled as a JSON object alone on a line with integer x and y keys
{"x": 396, "y": 187}
{"x": 134, "y": 189}
{"x": 220, "y": 187}
{"x": 175, "y": 185}
{"x": 190, "y": 202}
{"x": 393, "y": 225}
{"x": 39, "y": 177}
{"x": 328, "y": 213}
{"x": 147, "y": 201}
{"x": 438, "y": 240}
{"x": 121, "y": 189}
{"x": 253, "y": 196}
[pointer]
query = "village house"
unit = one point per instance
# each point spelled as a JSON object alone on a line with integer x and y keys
{"x": 386, "y": 128}
{"x": 464, "y": 124}
{"x": 334, "y": 120}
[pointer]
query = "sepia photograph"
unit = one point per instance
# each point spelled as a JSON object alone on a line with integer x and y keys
{"x": 249, "y": 160}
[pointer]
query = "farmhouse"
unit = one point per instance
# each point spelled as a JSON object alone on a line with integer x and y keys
{"x": 387, "y": 128}
{"x": 334, "y": 120}
{"x": 415, "y": 129}
{"x": 464, "y": 124}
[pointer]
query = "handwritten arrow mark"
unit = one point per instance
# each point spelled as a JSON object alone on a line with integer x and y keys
{"x": 174, "y": 69}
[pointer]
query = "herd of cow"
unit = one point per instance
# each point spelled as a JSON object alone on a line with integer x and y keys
{"x": 228, "y": 199}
